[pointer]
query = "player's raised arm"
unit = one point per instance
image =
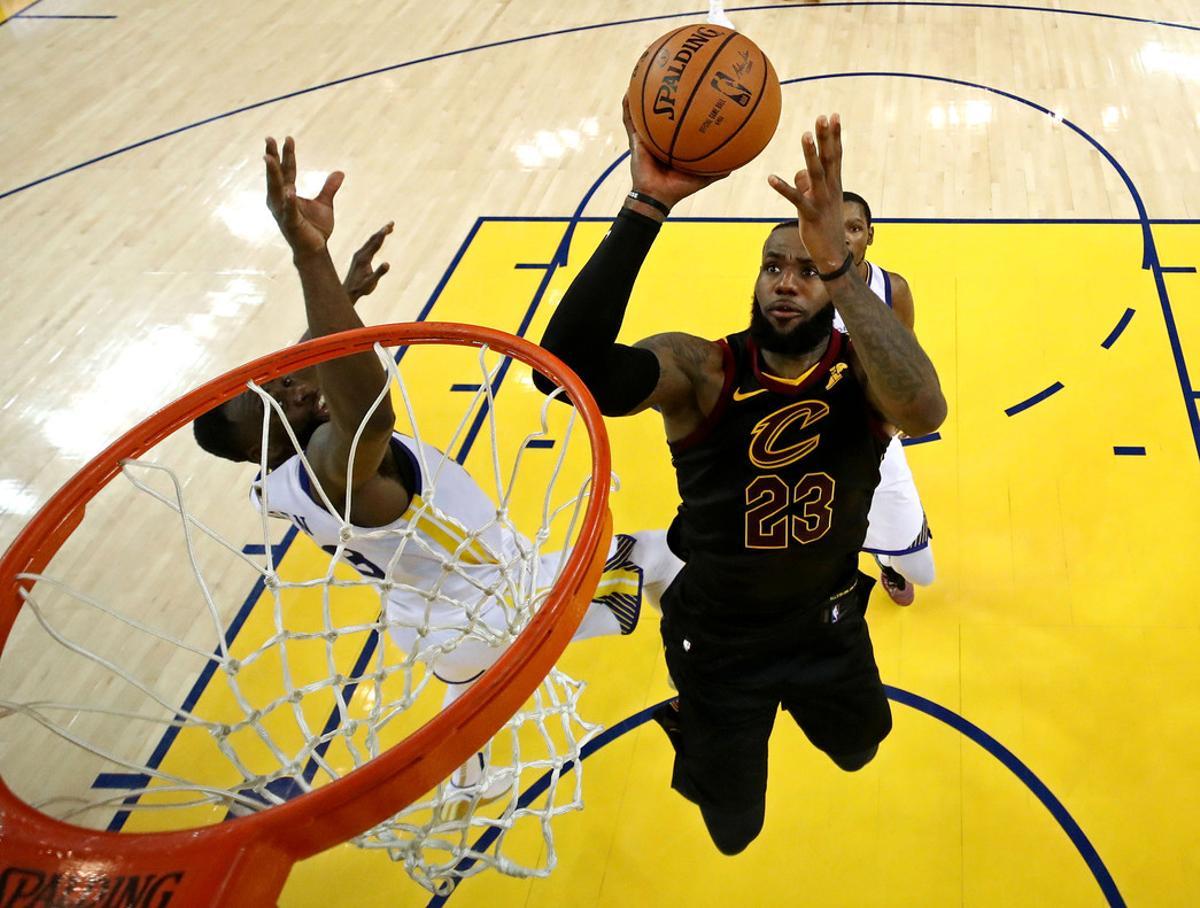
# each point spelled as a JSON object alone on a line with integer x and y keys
{"x": 350, "y": 384}
{"x": 901, "y": 381}
{"x": 660, "y": 371}
{"x": 362, "y": 277}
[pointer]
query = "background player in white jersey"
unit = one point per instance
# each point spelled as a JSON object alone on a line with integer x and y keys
{"x": 898, "y": 532}
{"x": 397, "y": 533}
{"x": 716, "y": 14}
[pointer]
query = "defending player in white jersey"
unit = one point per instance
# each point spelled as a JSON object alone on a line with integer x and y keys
{"x": 411, "y": 507}
{"x": 898, "y": 533}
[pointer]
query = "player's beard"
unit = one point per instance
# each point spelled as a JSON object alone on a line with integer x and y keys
{"x": 810, "y": 333}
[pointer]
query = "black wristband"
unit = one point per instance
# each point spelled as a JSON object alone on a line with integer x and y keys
{"x": 651, "y": 201}
{"x": 834, "y": 275}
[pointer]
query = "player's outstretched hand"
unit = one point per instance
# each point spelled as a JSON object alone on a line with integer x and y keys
{"x": 363, "y": 277}
{"x": 305, "y": 223}
{"x": 817, "y": 194}
{"x": 653, "y": 177}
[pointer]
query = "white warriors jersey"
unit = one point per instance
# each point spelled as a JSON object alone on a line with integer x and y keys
{"x": 449, "y": 520}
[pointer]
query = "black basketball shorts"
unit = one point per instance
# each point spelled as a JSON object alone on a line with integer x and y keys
{"x": 822, "y": 671}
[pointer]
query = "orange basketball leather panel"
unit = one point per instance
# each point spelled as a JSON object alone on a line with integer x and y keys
{"x": 704, "y": 99}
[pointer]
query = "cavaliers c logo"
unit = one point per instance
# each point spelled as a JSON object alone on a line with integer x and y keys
{"x": 765, "y": 452}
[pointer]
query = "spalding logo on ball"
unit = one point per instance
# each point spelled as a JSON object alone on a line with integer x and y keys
{"x": 704, "y": 99}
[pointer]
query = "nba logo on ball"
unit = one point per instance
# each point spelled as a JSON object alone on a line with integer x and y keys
{"x": 704, "y": 99}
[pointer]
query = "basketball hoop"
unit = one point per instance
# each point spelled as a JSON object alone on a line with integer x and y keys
{"x": 245, "y": 861}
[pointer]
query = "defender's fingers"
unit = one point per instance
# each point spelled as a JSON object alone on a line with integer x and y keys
{"x": 333, "y": 183}
{"x": 289, "y": 159}
{"x": 380, "y": 235}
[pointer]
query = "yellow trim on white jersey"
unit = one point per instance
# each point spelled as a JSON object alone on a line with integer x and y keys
{"x": 448, "y": 533}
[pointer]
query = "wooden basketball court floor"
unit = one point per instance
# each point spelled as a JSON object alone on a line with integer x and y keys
{"x": 1033, "y": 169}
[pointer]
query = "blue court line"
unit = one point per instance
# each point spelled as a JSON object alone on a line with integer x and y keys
{"x": 121, "y": 780}
{"x": 1148, "y": 253}
{"x": 1117, "y": 329}
{"x": 1036, "y": 399}
{"x": 898, "y": 695}
{"x": 466, "y": 386}
{"x": 920, "y": 439}
{"x": 1178, "y": 270}
{"x": 1006, "y": 7}
{"x": 880, "y": 219}
{"x": 103, "y": 780}
{"x": 540, "y": 443}
{"x": 337, "y": 715}
{"x": 1011, "y": 762}
{"x": 20, "y": 12}
{"x": 532, "y": 266}
{"x": 1129, "y": 450}
{"x": 576, "y": 29}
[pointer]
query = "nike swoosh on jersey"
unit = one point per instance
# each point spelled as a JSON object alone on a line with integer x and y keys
{"x": 738, "y": 395}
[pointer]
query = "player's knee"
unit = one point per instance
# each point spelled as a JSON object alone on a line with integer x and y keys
{"x": 732, "y": 831}
{"x": 923, "y": 576}
{"x": 916, "y": 568}
{"x": 855, "y": 761}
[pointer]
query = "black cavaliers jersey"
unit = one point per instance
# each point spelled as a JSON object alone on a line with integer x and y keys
{"x": 775, "y": 486}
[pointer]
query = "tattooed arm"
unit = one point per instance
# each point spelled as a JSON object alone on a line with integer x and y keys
{"x": 901, "y": 381}
{"x": 690, "y": 376}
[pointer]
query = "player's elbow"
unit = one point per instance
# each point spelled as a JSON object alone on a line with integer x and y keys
{"x": 373, "y": 429}
{"x": 926, "y": 417}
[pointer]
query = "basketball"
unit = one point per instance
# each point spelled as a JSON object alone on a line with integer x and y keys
{"x": 704, "y": 99}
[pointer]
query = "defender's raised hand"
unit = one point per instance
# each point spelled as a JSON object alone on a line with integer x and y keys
{"x": 363, "y": 277}
{"x": 653, "y": 177}
{"x": 305, "y": 223}
{"x": 817, "y": 194}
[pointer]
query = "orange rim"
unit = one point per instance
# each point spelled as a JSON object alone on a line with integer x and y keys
{"x": 247, "y": 859}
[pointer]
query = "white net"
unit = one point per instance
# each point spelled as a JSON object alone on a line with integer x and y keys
{"x": 341, "y": 649}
